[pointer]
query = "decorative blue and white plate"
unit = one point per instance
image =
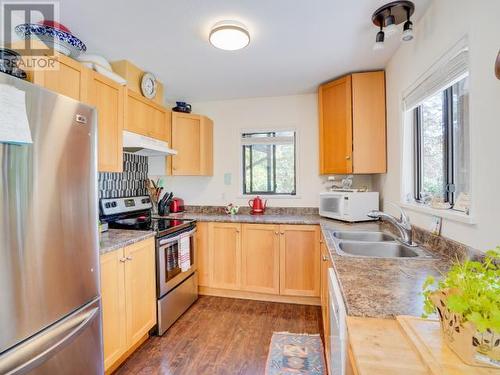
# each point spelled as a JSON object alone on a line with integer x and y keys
{"x": 61, "y": 41}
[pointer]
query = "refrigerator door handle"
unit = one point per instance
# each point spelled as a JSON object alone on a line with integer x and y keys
{"x": 34, "y": 352}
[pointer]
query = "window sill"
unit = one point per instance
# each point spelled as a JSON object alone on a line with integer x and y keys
{"x": 445, "y": 214}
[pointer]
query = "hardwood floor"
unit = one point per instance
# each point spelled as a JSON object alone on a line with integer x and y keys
{"x": 219, "y": 336}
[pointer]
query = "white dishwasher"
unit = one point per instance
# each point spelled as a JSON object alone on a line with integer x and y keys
{"x": 338, "y": 327}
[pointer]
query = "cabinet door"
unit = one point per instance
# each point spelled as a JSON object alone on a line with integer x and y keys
{"x": 299, "y": 260}
{"x": 369, "y": 129}
{"x": 108, "y": 97}
{"x": 138, "y": 115}
{"x": 186, "y": 139}
{"x": 225, "y": 255}
{"x": 140, "y": 289}
{"x": 335, "y": 127}
{"x": 113, "y": 306}
{"x": 158, "y": 127}
{"x": 70, "y": 78}
{"x": 325, "y": 299}
{"x": 202, "y": 254}
{"x": 260, "y": 258}
{"x": 207, "y": 146}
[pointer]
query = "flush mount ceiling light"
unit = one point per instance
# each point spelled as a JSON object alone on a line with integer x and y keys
{"x": 389, "y": 16}
{"x": 229, "y": 35}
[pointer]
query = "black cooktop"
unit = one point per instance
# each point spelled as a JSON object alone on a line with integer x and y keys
{"x": 162, "y": 226}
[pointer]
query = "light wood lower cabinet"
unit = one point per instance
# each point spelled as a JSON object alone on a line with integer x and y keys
{"x": 260, "y": 259}
{"x": 225, "y": 255}
{"x": 202, "y": 256}
{"x": 326, "y": 263}
{"x": 113, "y": 306}
{"x": 299, "y": 260}
{"x": 260, "y": 256}
{"x": 140, "y": 289}
{"x": 128, "y": 292}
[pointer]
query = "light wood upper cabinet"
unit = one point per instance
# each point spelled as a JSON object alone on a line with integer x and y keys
{"x": 146, "y": 117}
{"x": 225, "y": 255}
{"x": 369, "y": 122}
{"x": 352, "y": 124}
{"x": 260, "y": 256}
{"x": 335, "y": 127}
{"x": 300, "y": 260}
{"x": 192, "y": 138}
{"x": 108, "y": 97}
{"x": 113, "y": 306}
{"x": 202, "y": 256}
{"x": 69, "y": 78}
{"x": 128, "y": 292}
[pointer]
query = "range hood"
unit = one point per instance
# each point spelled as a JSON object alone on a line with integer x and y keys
{"x": 146, "y": 146}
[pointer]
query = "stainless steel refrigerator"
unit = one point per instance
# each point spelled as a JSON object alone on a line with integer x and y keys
{"x": 50, "y": 318}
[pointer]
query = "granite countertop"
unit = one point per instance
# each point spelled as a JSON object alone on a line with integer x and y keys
{"x": 115, "y": 239}
{"x": 247, "y": 218}
{"x": 371, "y": 287}
{"x": 381, "y": 288}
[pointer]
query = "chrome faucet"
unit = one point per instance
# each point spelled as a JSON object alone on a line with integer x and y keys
{"x": 402, "y": 224}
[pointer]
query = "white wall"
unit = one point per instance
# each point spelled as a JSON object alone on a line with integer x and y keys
{"x": 444, "y": 24}
{"x": 230, "y": 117}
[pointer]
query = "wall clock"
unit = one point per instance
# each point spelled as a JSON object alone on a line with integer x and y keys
{"x": 148, "y": 85}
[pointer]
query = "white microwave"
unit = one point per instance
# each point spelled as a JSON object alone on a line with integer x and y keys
{"x": 348, "y": 206}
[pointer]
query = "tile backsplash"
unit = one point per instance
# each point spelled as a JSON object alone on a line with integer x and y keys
{"x": 128, "y": 183}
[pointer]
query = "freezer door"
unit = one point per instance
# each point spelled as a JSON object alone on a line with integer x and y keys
{"x": 72, "y": 346}
{"x": 48, "y": 216}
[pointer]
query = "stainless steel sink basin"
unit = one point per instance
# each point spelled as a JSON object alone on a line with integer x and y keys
{"x": 362, "y": 236}
{"x": 380, "y": 250}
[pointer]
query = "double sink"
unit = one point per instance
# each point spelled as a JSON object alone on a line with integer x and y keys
{"x": 374, "y": 245}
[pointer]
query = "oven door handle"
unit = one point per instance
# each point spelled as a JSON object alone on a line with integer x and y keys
{"x": 188, "y": 234}
{"x": 168, "y": 241}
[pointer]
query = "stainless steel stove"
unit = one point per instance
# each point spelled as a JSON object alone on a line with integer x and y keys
{"x": 176, "y": 283}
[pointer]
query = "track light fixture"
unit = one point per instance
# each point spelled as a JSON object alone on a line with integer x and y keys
{"x": 407, "y": 29}
{"x": 389, "y": 16}
{"x": 379, "y": 40}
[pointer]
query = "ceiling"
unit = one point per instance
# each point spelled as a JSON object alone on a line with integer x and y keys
{"x": 295, "y": 45}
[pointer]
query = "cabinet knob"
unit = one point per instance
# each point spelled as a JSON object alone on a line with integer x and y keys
{"x": 325, "y": 258}
{"x": 276, "y": 233}
{"x": 123, "y": 260}
{"x": 129, "y": 257}
{"x": 348, "y": 157}
{"x": 237, "y": 231}
{"x": 282, "y": 233}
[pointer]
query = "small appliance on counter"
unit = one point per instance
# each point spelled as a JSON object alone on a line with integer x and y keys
{"x": 257, "y": 205}
{"x": 176, "y": 205}
{"x": 348, "y": 206}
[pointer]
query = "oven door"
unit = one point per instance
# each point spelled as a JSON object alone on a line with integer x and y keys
{"x": 169, "y": 273}
{"x": 332, "y": 205}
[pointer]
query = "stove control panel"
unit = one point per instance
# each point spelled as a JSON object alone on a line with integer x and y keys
{"x": 113, "y": 206}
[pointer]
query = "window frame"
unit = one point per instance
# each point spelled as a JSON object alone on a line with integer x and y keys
{"x": 449, "y": 161}
{"x": 272, "y": 193}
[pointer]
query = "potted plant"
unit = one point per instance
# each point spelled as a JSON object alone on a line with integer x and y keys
{"x": 467, "y": 300}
